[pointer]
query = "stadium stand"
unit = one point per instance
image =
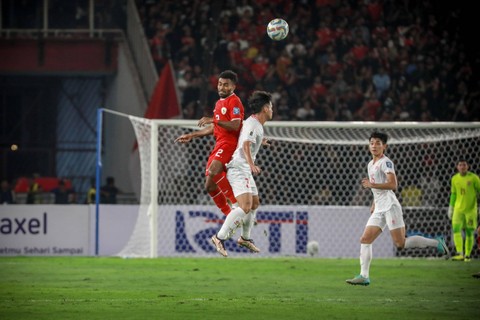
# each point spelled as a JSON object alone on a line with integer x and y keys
{"x": 345, "y": 60}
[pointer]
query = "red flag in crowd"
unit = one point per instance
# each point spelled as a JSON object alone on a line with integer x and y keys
{"x": 164, "y": 102}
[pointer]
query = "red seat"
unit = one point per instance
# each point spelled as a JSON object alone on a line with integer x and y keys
{"x": 46, "y": 183}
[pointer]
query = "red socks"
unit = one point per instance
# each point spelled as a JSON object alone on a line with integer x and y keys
{"x": 220, "y": 200}
{"x": 222, "y": 182}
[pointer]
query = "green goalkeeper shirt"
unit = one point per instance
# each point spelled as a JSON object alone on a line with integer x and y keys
{"x": 464, "y": 192}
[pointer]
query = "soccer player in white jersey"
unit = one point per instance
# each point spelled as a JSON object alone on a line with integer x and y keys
{"x": 240, "y": 171}
{"x": 385, "y": 210}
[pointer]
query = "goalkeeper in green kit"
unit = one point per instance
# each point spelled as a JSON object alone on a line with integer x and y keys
{"x": 463, "y": 210}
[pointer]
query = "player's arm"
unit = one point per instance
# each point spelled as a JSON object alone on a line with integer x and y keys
{"x": 453, "y": 192}
{"x": 453, "y": 199}
{"x": 232, "y": 125}
{"x": 476, "y": 184}
{"x": 205, "y": 121}
{"x": 248, "y": 156}
{"x": 184, "y": 138}
{"x": 391, "y": 183}
{"x": 266, "y": 142}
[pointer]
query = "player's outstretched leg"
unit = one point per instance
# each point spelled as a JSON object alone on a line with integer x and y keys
{"x": 359, "y": 281}
{"x": 248, "y": 243}
{"x": 442, "y": 246}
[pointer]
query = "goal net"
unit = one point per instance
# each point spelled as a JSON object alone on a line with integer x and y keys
{"x": 309, "y": 186}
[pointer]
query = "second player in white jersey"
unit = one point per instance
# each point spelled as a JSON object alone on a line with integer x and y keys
{"x": 252, "y": 131}
{"x": 385, "y": 210}
{"x": 239, "y": 170}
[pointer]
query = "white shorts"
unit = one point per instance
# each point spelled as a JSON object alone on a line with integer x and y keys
{"x": 241, "y": 181}
{"x": 393, "y": 218}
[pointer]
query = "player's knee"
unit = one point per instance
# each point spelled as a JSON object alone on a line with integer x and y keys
{"x": 469, "y": 232}
{"x": 210, "y": 185}
{"x": 214, "y": 170}
{"x": 365, "y": 239}
{"x": 457, "y": 228}
{"x": 246, "y": 207}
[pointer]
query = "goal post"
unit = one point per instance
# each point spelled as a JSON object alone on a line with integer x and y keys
{"x": 309, "y": 186}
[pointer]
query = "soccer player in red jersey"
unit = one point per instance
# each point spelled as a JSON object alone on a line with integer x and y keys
{"x": 227, "y": 121}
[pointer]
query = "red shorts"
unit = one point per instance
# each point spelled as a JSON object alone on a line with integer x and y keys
{"x": 221, "y": 152}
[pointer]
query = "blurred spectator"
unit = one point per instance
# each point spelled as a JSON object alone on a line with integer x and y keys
{"x": 109, "y": 192}
{"x": 322, "y": 197}
{"x": 370, "y": 109}
{"x": 158, "y": 47}
{"x": 340, "y": 86}
{"x": 7, "y": 195}
{"x": 305, "y": 112}
{"x": 33, "y": 192}
{"x": 91, "y": 193}
{"x": 412, "y": 195}
{"x": 62, "y": 194}
{"x": 381, "y": 81}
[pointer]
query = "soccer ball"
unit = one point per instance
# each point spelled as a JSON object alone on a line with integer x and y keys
{"x": 277, "y": 29}
{"x": 312, "y": 248}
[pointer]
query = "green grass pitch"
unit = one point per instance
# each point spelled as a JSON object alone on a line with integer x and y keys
{"x": 235, "y": 288}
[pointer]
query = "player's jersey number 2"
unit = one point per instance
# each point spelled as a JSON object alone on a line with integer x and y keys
{"x": 219, "y": 153}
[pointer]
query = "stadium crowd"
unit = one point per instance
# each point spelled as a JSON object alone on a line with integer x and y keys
{"x": 343, "y": 60}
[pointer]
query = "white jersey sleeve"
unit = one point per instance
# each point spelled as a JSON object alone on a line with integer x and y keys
{"x": 377, "y": 173}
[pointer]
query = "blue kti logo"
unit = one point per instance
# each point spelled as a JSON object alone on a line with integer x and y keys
{"x": 273, "y": 219}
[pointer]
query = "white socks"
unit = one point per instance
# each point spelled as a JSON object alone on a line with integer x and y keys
{"x": 233, "y": 221}
{"x": 248, "y": 223}
{"x": 420, "y": 242}
{"x": 365, "y": 259}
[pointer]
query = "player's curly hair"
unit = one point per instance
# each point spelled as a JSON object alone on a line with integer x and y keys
{"x": 379, "y": 135}
{"x": 258, "y": 100}
{"x": 229, "y": 74}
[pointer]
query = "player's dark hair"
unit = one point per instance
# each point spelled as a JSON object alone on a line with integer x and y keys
{"x": 379, "y": 135}
{"x": 462, "y": 160}
{"x": 229, "y": 74}
{"x": 258, "y": 100}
